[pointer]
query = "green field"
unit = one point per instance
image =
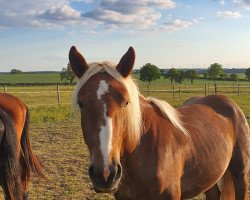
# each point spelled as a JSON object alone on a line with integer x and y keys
{"x": 30, "y": 78}
{"x": 58, "y": 140}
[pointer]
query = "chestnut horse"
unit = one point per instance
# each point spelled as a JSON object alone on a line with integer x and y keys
{"x": 144, "y": 149}
{"x": 17, "y": 159}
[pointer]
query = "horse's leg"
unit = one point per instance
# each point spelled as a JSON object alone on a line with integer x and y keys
{"x": 174, "y": 192}
{"x": 213, "y": 193}
{"x": 239, "y": 170}
{"x": 240, "y": 180}
{"x": 227, "y": 187}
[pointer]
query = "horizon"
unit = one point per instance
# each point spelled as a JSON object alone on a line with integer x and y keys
{"x": 166, "y": 33}
{"x": 135, "y": 69}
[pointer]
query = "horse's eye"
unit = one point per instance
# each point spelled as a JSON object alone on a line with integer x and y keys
{"x": 80, "y": 104}
{"x": 126, "y": 104}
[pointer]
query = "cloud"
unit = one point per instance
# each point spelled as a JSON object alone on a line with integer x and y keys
{"x": 111, "y": 18}
{"x": 84, "y": 1}
{"x": 243, "y": 3}
{"x": 64, "y": 13}
{"x": 135, "y": 7}
{"x": 34, "y": 14}
{"x": 222, "y": 2}
{"x": 106, "y": 14}
{"x": 142, "y": 14}
{"x": 175, "y": 25}
{"x": 229, "y": 15}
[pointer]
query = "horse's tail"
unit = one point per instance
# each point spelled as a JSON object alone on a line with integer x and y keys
{"x": 31, "y": 162}
{"x": 9, "y": 162}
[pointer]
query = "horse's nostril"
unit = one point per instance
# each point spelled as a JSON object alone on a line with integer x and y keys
{"x": 119, "y": 171}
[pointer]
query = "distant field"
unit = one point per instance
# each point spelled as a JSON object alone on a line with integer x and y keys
{"x": 30, "y": 78}
{"x": 55, "y": 78}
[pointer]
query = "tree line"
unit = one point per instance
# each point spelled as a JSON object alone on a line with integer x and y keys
{"x": 150, "y": 72}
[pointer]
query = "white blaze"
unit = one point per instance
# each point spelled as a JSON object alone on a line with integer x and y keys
{"x": 106, "y": 130}
{"x": 103, "y": 88}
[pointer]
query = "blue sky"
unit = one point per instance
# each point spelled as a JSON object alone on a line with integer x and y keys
{"x": 37, "y": 35}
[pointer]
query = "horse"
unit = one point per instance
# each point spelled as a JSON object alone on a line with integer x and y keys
{"x": 17, "y": 159}
{"x": 143, "y": 148}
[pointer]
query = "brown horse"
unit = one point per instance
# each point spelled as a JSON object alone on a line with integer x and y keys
{"x": 17, "y": 159}
{"x": 144, "y": 149}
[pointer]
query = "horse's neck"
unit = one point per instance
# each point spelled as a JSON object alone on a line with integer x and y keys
{"x": 149, "y": 116}
{"x": 153, "y": 122}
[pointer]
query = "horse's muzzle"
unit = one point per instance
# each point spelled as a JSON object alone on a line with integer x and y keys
{"x": 105, "y": 182}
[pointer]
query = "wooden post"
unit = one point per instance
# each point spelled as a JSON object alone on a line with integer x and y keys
{"x": 215, "y": 88}
{"x": 173, "y": 92}
{"x": 179, "y": 91}
{"x": 205, "y": 89}
{"x": 148, "y": 89}
{"x": 238, "y": 89}
{"x": 58, "y": 95}
{"x": 208, "y": 88}
{"x": 226, "y": 87}
{"x": 5, "y": 89}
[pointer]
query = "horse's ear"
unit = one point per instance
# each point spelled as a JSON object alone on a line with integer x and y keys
{"x": 77, "y": 62}
{"x": 127, "y": 62}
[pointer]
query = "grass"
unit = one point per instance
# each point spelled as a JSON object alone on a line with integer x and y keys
{"x": 30, "y": 78}
{"x": 58, "y": 140}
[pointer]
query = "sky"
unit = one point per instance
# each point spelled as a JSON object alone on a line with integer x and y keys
{"x": 37, "y": 35}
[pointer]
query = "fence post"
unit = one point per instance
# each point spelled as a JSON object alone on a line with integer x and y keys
{"x": 238, "y": 89}
{"x": 5, "y": 89}
{"x": 208, "y": 88}
{"x": 173, "y": 92}
{"x": 58, "y": 95}
{"x": 215, "y": 88}
{"x": 179, "y": 91}
{"x": 148, "y": 89}
{"x": 205, "y": 89}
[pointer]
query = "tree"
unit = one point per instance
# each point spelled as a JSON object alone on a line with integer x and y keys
{"x": 234, "y": 77}
{"x": 171, "y": 74}
{"x": 215, "y": 70}
{"x": 191, "y": 74}
{"x": 180, "y": 76}
{"x": 16, "y": 71}
{"x": 205, "y": 75}
{"x": 67, "y": 74}
{"x": 149, "y": 73}
{"x": 247, "y": 73}
{"x": 223, "y": 76}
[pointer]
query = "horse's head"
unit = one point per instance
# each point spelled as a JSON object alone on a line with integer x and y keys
{"x": 110, "y": 115}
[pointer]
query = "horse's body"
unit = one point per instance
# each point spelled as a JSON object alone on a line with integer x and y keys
{"x": 17, "y": 159}
{"x": 176, "y": 166}
{"x": 142, "y": 149}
